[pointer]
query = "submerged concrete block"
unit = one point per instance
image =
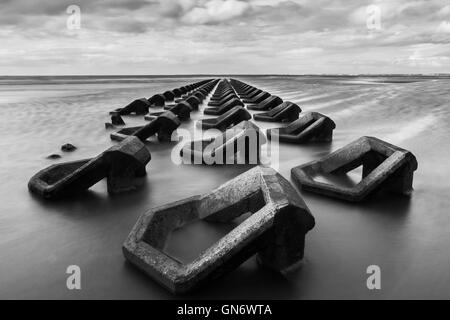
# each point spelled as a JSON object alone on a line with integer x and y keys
{"x": 182, "y": 110}
{"x": 275, "y": 230}
{"x": 120, "y": 164}
{"x": 240, "y": 144}
{"x": 117, "y": 120}
{"x": 139, "y": 106}
{"x": 287, "y": 111}
{"x": 385, "y": 166}
{"x": 178, "y": 92}
{"x": 158, "y": 100}
{"x": 309, "y": 127}
{"x": 221, "y": 109}
{"x": 194, "y": 102}
{"x": 228, "y": 119}
{"x": 258, "y": 98}
{"x": 267, "y": 104}
{"x": 163, "y": 126}
{"x": 169, "y": 96}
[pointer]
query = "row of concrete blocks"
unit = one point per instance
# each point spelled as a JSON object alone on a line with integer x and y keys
{"x": 223, "y": 99}
{"x": 188, "y": 103}
{"x": 141, "y": 106}
{"x": 305, "y": 127}
{"x": 279, "y": 218}
{"x": 309, "y": 127}
{"x": 121, "y": 164}
{"x": 164, "y": 123}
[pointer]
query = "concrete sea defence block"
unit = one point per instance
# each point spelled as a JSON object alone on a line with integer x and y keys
{"x": 309, "y": 127}
{"x": 224, "y": 99}
{"x": 229, "y": 118}
{"x": 120, "y": 164}
{"x": 139, "y": 106}
{"x": 385, "y": 166}
{"x": 221, "y": 109}
{"x": 162, "y": 126}
{"x": 240, "y": 144}
{"x": 275, "y": 231}
{"x": 258, "y": 98}
{"x": 182, "y": 110}
{"x": 157, "y": 100}
{"x": 267, "y": 104}
{"x": 117, "y": 120}
{"x": 287, "y": 111}
{"x": 169, "y": 95}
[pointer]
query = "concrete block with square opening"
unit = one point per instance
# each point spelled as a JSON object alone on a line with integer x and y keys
{"x": 139, "y": 106}
{"x": 163, "y": 126}
{"x": 267, "y": 104}
{"x": 120, "y": 164}
{"x": 309, "y": 127}
{"x": 384, "y": 166}
{"x": 287, "y": 111}
{"x": 275, "y": 230}
{"x": 226, "y": 120}
{"x": 182, "y": 110}
{"x": 240, "y": 144}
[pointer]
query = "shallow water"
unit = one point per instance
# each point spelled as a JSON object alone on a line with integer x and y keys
{"x": 407, "y": 237}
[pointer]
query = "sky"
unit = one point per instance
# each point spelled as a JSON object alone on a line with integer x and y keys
{"x": 141, "y": 37}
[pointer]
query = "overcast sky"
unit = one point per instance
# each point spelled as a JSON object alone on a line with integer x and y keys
{"x": 225, "y": 36}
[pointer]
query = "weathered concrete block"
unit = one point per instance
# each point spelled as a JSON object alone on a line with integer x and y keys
{"x": 230, "y": 104}
{"x": 229, "y": 118}
{"x": 169, "y": 95}
{"x": 182, "y": 110}
{"x": 120, "y": 164}
{"x": 117, "y": 120}
{"x": 163, "y": 126}
{"x": 267, "y": 104}
{"x": 275, "y": 230}
{"x": 158, "y": 100}
{"x": 178, "y": 92}
{"x": 287, "y": 111}
{"x": 200, "y": 96}
{"x": 258, "y": 98}
{"x": 310, "y": 127}
{"x": 240, "y": 144}
{"x": 222, "y": 100}
{"x": 139, "y": 106}
{"x": 385, "y": 166}
{"x": 194, "y": 102}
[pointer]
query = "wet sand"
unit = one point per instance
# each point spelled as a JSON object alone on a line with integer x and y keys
{"x": 407, "y": 237}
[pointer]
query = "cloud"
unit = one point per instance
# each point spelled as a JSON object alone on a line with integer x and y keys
{"x": 208, "y": 36}
{"x": 216, "y": 11}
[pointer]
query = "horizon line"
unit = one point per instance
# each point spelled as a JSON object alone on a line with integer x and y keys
{"x": 226, "y": 74}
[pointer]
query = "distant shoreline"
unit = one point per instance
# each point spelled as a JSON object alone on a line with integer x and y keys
{"x": 228, "y": 75}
